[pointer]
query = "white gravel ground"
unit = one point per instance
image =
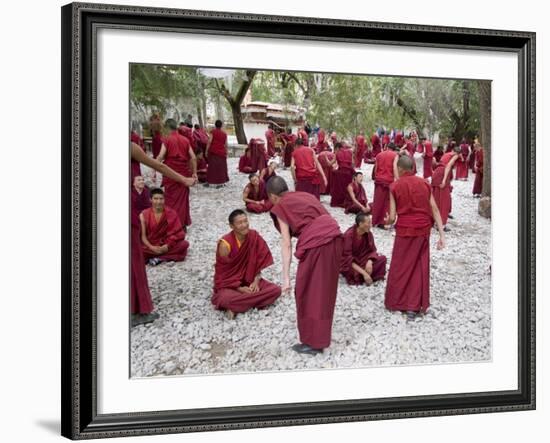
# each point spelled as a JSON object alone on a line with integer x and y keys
{"x": 191, "y": 337}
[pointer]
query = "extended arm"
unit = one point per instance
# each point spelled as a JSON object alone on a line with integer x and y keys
{"x": 286, "y": 252}
{"x": 142, "y": 157}
{"x": 439, "y": 223}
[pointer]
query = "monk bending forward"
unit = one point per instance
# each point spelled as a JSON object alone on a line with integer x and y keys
{"x": 241, "y": 256}
{"x": 319, "y": 251}
{"x": 408, "y": 286}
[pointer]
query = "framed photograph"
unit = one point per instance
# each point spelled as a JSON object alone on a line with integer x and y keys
{"x": 275, "y": 221}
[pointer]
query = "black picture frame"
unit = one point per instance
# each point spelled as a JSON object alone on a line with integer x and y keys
{"x": 79, "y": 171}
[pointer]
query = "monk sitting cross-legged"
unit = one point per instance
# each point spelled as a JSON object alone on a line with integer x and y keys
{"x": 241, "y": 256}
{"x": 162, "y": 234}
{"x": 360, "y": 261}
{"x": 254, "y": 195}
{"x": 356, "y": 198}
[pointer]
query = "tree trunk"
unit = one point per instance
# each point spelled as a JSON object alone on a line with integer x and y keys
{"x": 238, "y": 124}
{"x": 199, "y": 116}
{"x": 485, "y": 140}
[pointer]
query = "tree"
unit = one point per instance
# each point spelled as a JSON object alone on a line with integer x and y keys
{"x": 235, "y": 101}
{"x": 485, "y": 140}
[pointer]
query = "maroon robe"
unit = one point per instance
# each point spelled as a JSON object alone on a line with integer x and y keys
{"x": 360, "y": 196}
{"x": 245, "y": 164}
{"x": 259, "y": 195}
{"x": 156, "y": 143}
{"x": 141, "y": 201}
{"x": 472, "y": 161}
{"x": 322, "y": 144}
{"x": 437, "y": 156}
{"x": 187, "y": 132}
{"x": 140, "y": 296}
{"x": 200, "y": 137}
{"x": 461, "y": 163}
{"x": 135, "y": 138}
{"x": 319, "y": 251}
{"x": 398, "y": 139}
{"x": 178, "y": 158}
{"x": 270, "y": 140}
{"x": 202, "y": 170}
{"x": 442, "y": 196}
{"x": 341, "y": 177}
{"x": 267, "y": 175}
{"x": 307, "y": 176}
{"x": 478, "y": 182}
{"x": 258, "y": 159}
{"x": 240, "y": 268}
{"x": 289, "y": 139}
{"x": 428, "y": 155}
{"x": 135, "y": 170}
{"x": 376, "y": 145}
{"x": 358, "y": 250}
{"x": 361, "y": 147}
{"x": 408, "y": 283}
{"x": 304, "y": 136}
{"x": 216, "y": 173}
{"x": 166, "y": 231}
{"x": 325, "y": 158}
{"x": 383, "y": 178}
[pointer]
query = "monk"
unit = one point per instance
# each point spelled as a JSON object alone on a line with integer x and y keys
{"x": 303, "y": 134}
{"x": 441, "y": 184}
{"x": 162, "y": 234}
{"x": 141, "y": 197}
{"x": 202, "y": 167}
{"x": 258, "y": 155}
{"x": 462, "y": 161}
{"x": 245, "y": 163}
{"x": 288, "y": 139}
{"x": 254, "y": 195}
{"x": 327, "y": 161}
{"x": 319, "y": 251}
{"x": 437, "y": 156}
{"x": 342, "y": 176}
{"x": 141, "y": 303}
{"x": 360, "y": 149}
{"x": 322, "y": 144}
{"x": 177, "y": 153}
{"x": 376, "y": 145}
{"x": 200, "y": 138}
{"x": 241, "y": 256}
{"x": 356, "y": 197}
{"x": 269, "y": 171}
{"x": 361, "y": 263}
{"x": 270, "y": 140}
{"x": 156, "y": 128}
{"x": 216, "y": 156}
{"x": 187, "y": 132}
{"x": 411, "y": 200}
{"x": 306, "y": 170}
{"x": 426, "y": 148}
{"x": 384, "y": 173}
{"x": 398, "y": 139}
{"x": 478, "y": 170}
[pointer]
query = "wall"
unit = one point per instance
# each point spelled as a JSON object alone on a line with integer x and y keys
{"x": 30, "y": 284}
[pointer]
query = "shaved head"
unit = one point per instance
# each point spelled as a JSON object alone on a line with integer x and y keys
{"x": 405, "y": 162}
{"x": 276, "y": 186}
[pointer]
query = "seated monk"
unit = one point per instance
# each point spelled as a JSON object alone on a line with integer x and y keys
{"x": 360, "y": 261}
{"x": 245, "y": 162}
{"x": 162, "y": 234}
{"x": 202, "y": 167}
{"x": 269, "y": 172}
{"x": 255, "y": 197}
{"x": 141, "y": 198}
{"x": 241, "y": 256}
{"x": 356, "y": 198}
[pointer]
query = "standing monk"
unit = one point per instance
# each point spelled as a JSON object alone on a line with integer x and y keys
{"x": 319, "y": 251}
{"x": 288, "y": 139}
{"x": 478, "y": 170}
{"x": 462, "y": 161}
{"x": 441, "y": 184}
{"x": 376, "y": 145}
{"x": 254, "y": 195}
{"x": 162, "y": 234}
{"x": 384, "y": 173}
{"x": 427, "y": 154}
{"x": 306, "y": 170}
{"x": 241, "y": 256}
{"x": 258, "y": 160}
{"x": 141, "y": 303}
{"x": 270, "y": 140}
{"x": 216, "y": 156}
{"x": 178, "y": 155}
{"x": 326, "y": 160}
{"x": 342, "y": 176}
{"x": 356, "y": 198}
{"x": 408, "y": 285}
{"x": 322, "y": 144}
{"x": 156, "y": 127}
{"x": 201, "y": 138}
{"x": 361, "y": 263}
{"x": 360, "y": 149}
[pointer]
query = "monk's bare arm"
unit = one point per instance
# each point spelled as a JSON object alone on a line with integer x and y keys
{"x": 391, "y": 215}
{"x": 448, "y": 169}
{"x": 142, "y": 157}
{"x": 320, "y": 169}
{"x": 162, "y": 153}
{"x": 223, "y": 249}
{"x": 286, "y": 252}
{"x": 245, "y": 195}
{"x": 395, "y": 171}
{"x": 352, "y": 195}
{"x": 439, "y": 223}
{"x": 208, "y": 145}
{"x": 193, "y": 161}
{"x": 293, "y": 169}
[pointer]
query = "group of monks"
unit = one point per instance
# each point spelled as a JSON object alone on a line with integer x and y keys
{"x": 402, "y": 199}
